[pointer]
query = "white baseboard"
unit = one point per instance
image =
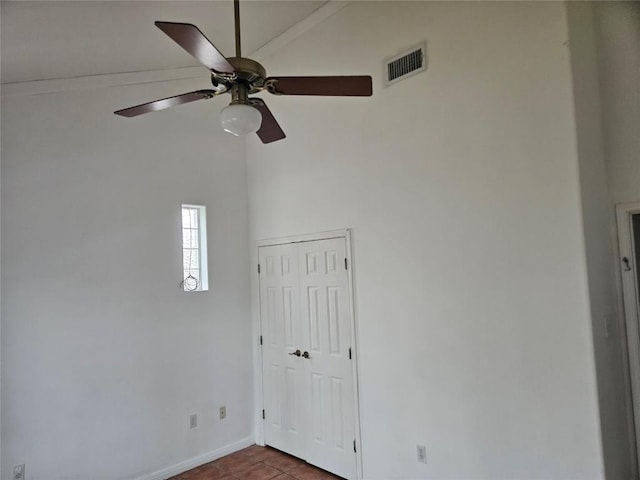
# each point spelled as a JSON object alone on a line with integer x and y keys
{"x": 197, "y": 461}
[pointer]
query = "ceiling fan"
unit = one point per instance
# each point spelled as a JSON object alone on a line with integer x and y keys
{"x": 242, "y": 77}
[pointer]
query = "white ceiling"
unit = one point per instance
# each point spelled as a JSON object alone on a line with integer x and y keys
{"x": 64, "y": 39}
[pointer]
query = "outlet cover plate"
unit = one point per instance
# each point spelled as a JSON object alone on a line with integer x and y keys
{"x": 422, "y": 453}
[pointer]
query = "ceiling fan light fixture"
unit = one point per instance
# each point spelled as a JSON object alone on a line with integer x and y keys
{"x": 240, "y": 119}
{"x": 241, "y": 77}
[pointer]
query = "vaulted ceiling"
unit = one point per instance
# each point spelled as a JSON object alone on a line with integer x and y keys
{"x": 43, "y": 40}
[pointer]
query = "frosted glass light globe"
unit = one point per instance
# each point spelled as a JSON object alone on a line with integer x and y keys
{"x": 239, "y": 119}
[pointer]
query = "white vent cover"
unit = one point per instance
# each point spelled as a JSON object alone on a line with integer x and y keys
{"x": 408, "y": 63}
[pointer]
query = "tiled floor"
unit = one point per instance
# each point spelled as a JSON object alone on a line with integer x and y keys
{"x": 257, "y": 463}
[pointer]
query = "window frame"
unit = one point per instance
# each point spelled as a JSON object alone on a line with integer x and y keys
{"x": 201, "y": 216}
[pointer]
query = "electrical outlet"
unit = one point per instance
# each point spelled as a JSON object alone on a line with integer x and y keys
{"x": 422, "y": 453}
{"x": 18, "y": 472}
{"x": 223, "y": 413}
{"x": 193, "y": 420}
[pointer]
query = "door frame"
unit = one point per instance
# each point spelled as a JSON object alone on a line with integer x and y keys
{"x": 257, "y": 330}
{"x": 630, "y": 306}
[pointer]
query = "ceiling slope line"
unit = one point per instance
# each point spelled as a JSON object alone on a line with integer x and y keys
{"x": 315, "y": 18}
{"x": 92, "y": 82}
{"x": 60, "y": 85}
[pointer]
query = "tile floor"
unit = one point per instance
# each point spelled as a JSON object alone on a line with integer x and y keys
{"x": 257, "y": 463}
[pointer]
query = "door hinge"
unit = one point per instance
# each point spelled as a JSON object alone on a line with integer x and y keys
{"x": 349, "y": 353}
{"x": 346, "y": 264}
{"x": 354, "y": 446}
{"x": 263, "y": 414}
{"x": 258, "y": 269}
{"x": 260, "y": 339}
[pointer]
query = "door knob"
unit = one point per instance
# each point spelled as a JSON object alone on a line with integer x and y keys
{"x": 306, "y": 354}
{"x": 297, "y": 353}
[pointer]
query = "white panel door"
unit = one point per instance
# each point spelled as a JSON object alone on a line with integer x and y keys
{"x": 326, "y": 328}
{"x": 309, "y": 399}
{"x": 283, "y": 374}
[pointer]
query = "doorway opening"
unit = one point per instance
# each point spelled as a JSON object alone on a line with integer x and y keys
{"x": 307, "y": 350}
{"x": 628, "y": 219}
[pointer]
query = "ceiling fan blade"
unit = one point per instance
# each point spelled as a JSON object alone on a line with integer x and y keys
{"x": 166, "y": 103}
{"x": 345, "y": 86}
{"x": 270, "y": 130}
{"x": 190, "y": 38}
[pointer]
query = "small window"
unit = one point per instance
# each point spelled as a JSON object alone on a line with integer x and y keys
{"x": 194, "y": 248}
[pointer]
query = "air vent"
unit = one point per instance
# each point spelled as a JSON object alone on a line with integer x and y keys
{"x": 406, "y": 64}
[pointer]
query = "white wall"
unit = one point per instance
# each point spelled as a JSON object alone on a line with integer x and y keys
{"x": 462, "y": 188}
{"x": 103, "y": 356}
{"x": 599, "y": 225}
{"x": 618, "y": 29}
{"x": 0, "y": 297}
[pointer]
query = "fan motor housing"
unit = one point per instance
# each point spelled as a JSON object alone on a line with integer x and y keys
{"x": 247, "y": 71}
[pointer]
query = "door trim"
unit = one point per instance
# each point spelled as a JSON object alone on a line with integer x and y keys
{"x": 628, "y": 301}
{"x": 256, "y": 327}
